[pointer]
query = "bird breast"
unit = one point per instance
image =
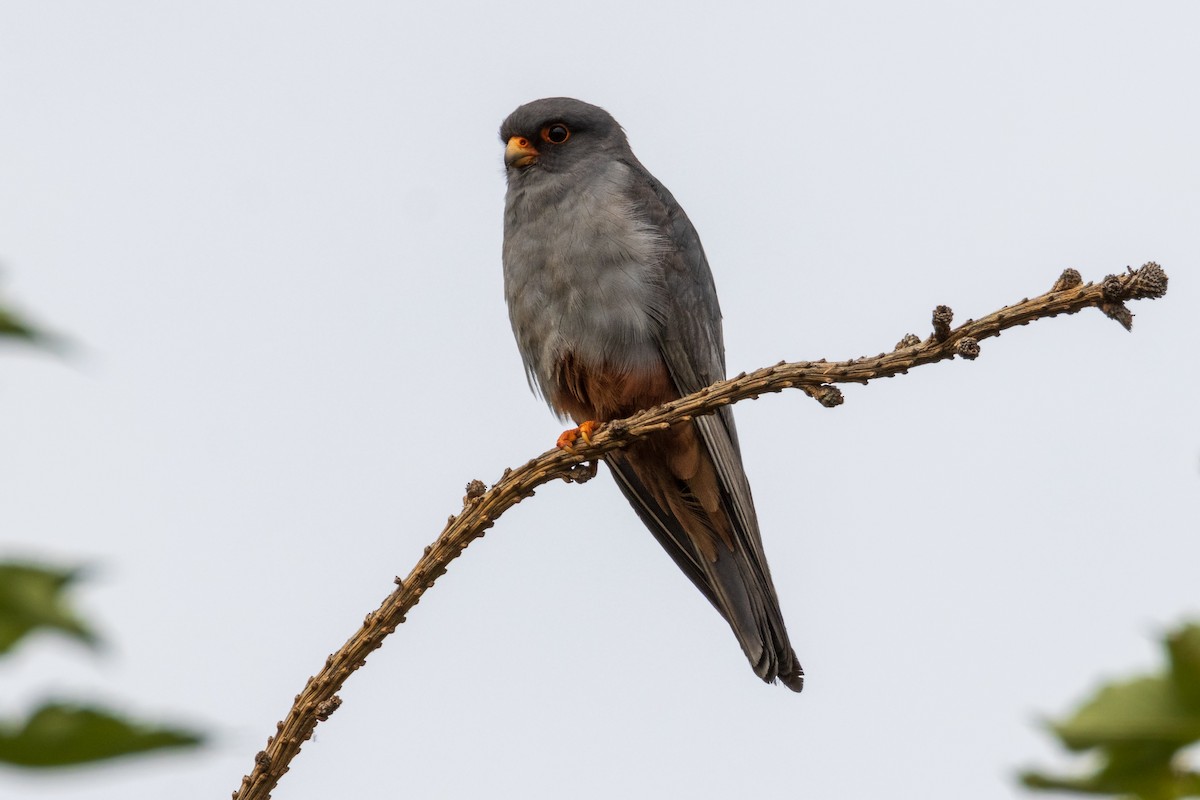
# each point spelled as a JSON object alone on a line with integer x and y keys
{"x": 583, "y": 273}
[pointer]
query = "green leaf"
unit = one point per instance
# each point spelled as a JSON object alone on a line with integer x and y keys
{"x": 1140, "y": 711}
{"x": 13, "y": 326}
{"x": 1158, "y": 783}
{"x": 1137, "y": 728}
{"x": 1147, "y": 775}
{"x": 33, "y": 597}
{"x": 1183, "y": 649}
{"x": 58, "y": 735}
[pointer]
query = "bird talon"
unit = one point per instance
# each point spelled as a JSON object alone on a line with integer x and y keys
{"x": 566, "y": 440}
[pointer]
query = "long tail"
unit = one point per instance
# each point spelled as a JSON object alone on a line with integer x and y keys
{"x": 700, "y": 510}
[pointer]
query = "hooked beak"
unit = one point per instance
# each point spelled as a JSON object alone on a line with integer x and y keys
{"x": 519, "y": 152}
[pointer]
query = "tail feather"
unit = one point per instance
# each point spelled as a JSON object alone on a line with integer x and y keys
{"x": 713, "y": 540}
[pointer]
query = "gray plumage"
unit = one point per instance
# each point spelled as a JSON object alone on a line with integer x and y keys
{"x": 614, "y": 309}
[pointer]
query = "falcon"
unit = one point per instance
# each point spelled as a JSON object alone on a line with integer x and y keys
{"x": 614, "y": 310}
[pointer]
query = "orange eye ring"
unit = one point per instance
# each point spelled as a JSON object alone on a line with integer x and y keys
{"x": 556, "y": 133}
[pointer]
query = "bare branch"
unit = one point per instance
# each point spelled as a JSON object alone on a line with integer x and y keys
{"x": 481, "y": 508}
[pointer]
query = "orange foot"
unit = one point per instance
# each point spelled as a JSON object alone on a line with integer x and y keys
{"x": 585, "y": 430}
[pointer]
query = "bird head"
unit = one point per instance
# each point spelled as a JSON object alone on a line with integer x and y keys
{"x": 556, "y": 134}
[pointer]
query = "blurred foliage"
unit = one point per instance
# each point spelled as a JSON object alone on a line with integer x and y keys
{"x": 56, "y": 735}
{"x": 13, "y": 326}
{"x": 1135, "y": 730}
{"x": 34, "y": 598}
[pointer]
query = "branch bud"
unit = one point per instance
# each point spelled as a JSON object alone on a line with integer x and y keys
{"x": 475, "y": 490}
{"x": 968, "y": 348}
{"x": 1069, "y": 279}
{"x": 942, "y": 317}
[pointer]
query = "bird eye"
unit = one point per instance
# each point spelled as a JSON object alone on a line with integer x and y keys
{"x": 556, "y": 133}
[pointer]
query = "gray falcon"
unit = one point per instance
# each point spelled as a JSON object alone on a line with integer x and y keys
{"x": 614, "y": 310}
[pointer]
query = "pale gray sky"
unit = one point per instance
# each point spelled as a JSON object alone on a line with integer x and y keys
{"x": 274, "y": 229}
